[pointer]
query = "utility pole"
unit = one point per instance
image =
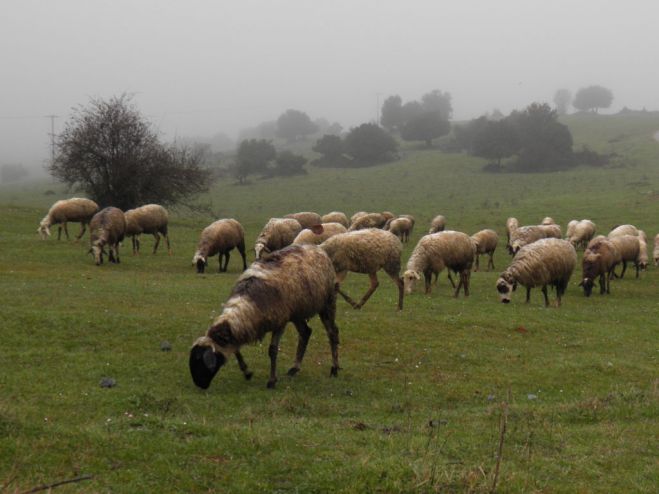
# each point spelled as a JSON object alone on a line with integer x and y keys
{"x": 52, "y": 137}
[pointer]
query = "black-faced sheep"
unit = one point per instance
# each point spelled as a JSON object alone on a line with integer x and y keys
{"x": 438, "y": 224}
{"x": 74, "y": 210}
{"x": 293, "y": 284}
{"x": 579, "y": 233}
{"x": 545, "y": 262}
{"x": 655, "y": 253}
{"x": 486, "y": 243}
{"x": 629, "y": 247}
{"x": 107, "y": 227}
{"x": 151, "y": 218}
{"x": 366, "y": 251}
{"x": 401, "y": 227}
{"x": 276, "y": 234}
{"x": 306, "y": 218}
{"x": 448, "y": 249}
{"x": 220, "y": 237}
{"x": 599, "y": 260}
{"x": 317, "y": 234}
{"x": 369, "y": 220}
{"x": 336, "y": 217}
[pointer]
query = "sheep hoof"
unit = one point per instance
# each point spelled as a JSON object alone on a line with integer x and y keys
{"x": 334, "y": 371}
{"x": 293, "y": 370}
{"x": 248, "y": 375}
{"x": 271, "y": 384}
{"x": 357, "y": 306}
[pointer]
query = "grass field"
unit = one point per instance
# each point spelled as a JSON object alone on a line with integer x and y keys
{"x": 422, "y": 395}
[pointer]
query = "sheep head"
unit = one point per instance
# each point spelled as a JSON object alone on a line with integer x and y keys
{"x": 410, "y": 277}
{"x": 201, "y": 262}
{"x": 209, "y": 353}
{"x": 260, "y": 249}
{"x": 505, "y": 286}
{"x": 587, "y": 284}
{"x": 43, "y": 230}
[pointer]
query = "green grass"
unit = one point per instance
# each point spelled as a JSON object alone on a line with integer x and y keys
{"x": 417, "y": 405}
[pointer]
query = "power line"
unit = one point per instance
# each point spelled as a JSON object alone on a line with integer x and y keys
{"x": 52, "y": 137}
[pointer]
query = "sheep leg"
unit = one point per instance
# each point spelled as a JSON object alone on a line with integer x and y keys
{"x": 637, "y": 268}
{"x": 83, "y": 227}
{"x": 528, "y": 294}
{"x": 427, "y": 276}
{"x": 465, "y": 284}
{"x": 59, "y": 232}
{"x": 460, "y": 283}
{"x": 135, "y": 247}
{"x": 155, "y": 246}
{"x": 327, "y": 316}
{"x": 624, "y": 268}
{"x": 169, "y": 247}
{"x": 243, "y": 366}
{"x": 219, "y": 258}
{"x": 477, "y": 262}
{"x": 273, "y": 349}
{"x": 241, "y": 249}
{"x": 66, "y": 231}
{"x": 450, "y": 278}
{"x": 544, "y": 292}
{"x": 304, "y": 332}
{"x": 339, "y": 279}
{"x": 374, "y": 285}
{"x": 226, "y": 261}
{"x": 491, "y": 261}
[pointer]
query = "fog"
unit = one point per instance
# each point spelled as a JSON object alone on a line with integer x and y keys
{"x": 198, "y": 68}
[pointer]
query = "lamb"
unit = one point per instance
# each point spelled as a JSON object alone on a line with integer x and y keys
{"x": 655, "y": 254}
{"x": 293, "y": 284}
{"x": 486, "y": 243}
{"x": 336, "y": 217}
{"x": 75, "y": 210}
{"x": 629, "y": 247}
{"x": 599, "y": 259}
{"x": 276, "y": 234}
{"x": 436, "y": 251}
{"x": 319, "y": 233}
{"x": 580, "y": 233}
{"x": 152, "y": 219}
{"x": 438, "y": 224}
{"x": 220, "y": 237}
{"x": 623, "y": 230}
{"x": 511, "y": 225}
{"x": 365, "y": 251}
{"x": 545, "y": 262}
{"x": 306, "y": 219}
{"x": 369, "y": 220}
{"x": 107, "y": 227}
{"x": 401, "y": 227}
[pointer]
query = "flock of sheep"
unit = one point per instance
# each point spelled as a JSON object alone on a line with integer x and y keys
{"x": 302, "y": 259}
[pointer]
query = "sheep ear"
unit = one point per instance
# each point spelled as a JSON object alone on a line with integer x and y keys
{"x": 317, "y": 229}
{"x": 221, "y": 334}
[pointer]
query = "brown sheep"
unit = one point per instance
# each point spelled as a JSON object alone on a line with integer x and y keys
{"x": 629, "y": 247}
{"x": 220, "y": 237}
{"x": 369, "y": 220}
{"x": 580, "y": 232}
{"x": 306, "y": 219}
{"x": 599, "y": 260}
{"x": 107, "y": 227}
{"x": 401, "y": 227}
{"x": 151, "y": 218}
{"x": 336, "y": 217}
{"x": 75, "y": 210}
{"x": 438, "y": 224}
{"x": 319, "y": 233}
{"x": 486, "y": 243}
{"x": 276, "y": 234}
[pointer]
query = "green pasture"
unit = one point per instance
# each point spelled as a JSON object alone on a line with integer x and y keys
{"x": 423, "y": 395}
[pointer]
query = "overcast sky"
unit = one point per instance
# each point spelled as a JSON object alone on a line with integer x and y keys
{"x": 201, "y": 67}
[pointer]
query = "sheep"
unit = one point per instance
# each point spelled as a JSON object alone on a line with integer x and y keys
{"x": 580, "y": 233}
{"x": 599, "y": 259}
{"x": 569, "y": 231}
{"x": 401, "y": 227}
{"x": 436, "y": 251}
{"x": 629, "y": 247}
{"x": 623, "y": 230}
{"x": 545, "y": 262}
{"x": 655, "y": 254}
{"x": 642, "y": 260}
{"x": 369, "y": 220}
{"x": 486, "y": 243}
{"x": 306, "y": 219}
{"x": 438, "y": 224}
{"x": 365, "y": 251}
{"x": 293, "y": 284}
{"x": 76, "y": 210}
{"x": 220, "y": 237}
{"x": 525, "y": 235}
{"x": 357, "y": 215}
{"x": 276, "y": 234}
{"x": 319, "y": 233}
{"x": 511, "y": 225}
{"x": 548, "y": 220}
{"x": 336, "y": 217}
{"x": 107, "y": 227}
{"x": 151, "y": 218}
{"x": 551, "y": 231}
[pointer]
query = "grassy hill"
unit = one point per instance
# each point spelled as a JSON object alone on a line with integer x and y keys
{"x": 419, "y": 403}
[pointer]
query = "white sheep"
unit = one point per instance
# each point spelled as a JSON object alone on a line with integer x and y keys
{"x": 107, "y": 227}
{"x": 151, "y": 218}
{"x": 306, "y": 218}
{"x": 220, "y": 237}
{"x": 599, "y": 260}
{"x": 511, "y": 225}
{"x": 369, "y": 220}
{"x": 580, "y": 233}
{"x": 623, "y": 230}
{"x": 401, "y": 227}
{"x": 438, "y": 224}
{"x": 336, "y": 217}
{"x": 365, "y": 251}
{"x": 486, "y": 242}
{"x": 629, "y": 247}
{"x": 643, "y": 259}
{"x": 74, "y": 210}
{"x": 317, "y": 234}
{"x": 293, "y": 284}
{"x": 570, "y": 228}
{"x": 545, "y": 262}
{"x": 276, "y": 234}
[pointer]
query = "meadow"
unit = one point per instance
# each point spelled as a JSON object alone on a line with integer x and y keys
{"x": 426, "y": 397}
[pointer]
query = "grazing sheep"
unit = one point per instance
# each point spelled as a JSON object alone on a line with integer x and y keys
{"x": 436, "y": 251}
{"x": 75, "y": 210}
{"x": 152, "y": 219}
{"x": 511, "y": 225}
{"x": 599, "y": 259}
{"x": 317, "y": 234}
{"x": 220, "y": 237}
{"x": 548, "y": 220}
{"x": 623, "y": 230}
{"x": 294, "y": 284}
{"x": 655, "y": 254}
{"x": 545, "y": 262}
{"x": 643, "y": 259}
{"x": 580, "y": 232}
{"x": 336, "y": 217}
{"x": 525, "y": 235}
{"x": 551, "y": 231}
{"x": 401, "y": 227}
{"x": 486, "y": 243}
{"x": 306, "y": 219}
{"x": 365, "y": 251}
{"x": 629, "y": 247}
{"x": 107, "y": 227}
{"x": 438, "y": 224}
{"x": 369, "y": 220}
{"x": 570, "y": 228}
{"x": 276, "y": 234}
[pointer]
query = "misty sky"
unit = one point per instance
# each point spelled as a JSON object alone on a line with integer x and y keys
{"x": 201, "y": 67}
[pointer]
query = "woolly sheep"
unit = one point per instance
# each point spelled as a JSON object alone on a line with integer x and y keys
{"x": 599, "y": 260}
{"x": 336, "y": 217}
{"x": 75, "y": 210}
{"x": 107, "y": 227}
{"x": 570, "y": 228}
{"x": 511, "y": 225}
{"x": 545, "y": 262}
{"x": 623, "y": 230}
{"x": 548, "y": 220}
{"x": 365, "y": 251}
{"x": 401, "y": 227}
{"x": 525, "y": 235}
{"x": 319, "y": 233}
{"x": 438, "y": 224}
{"x": 369, "y": 220}
{"x": 357, "y": 215}
{"x": 551, "y": 231}
{"x": 276, "y": 234}
{"x": 293, "y": 284}
{"x": 629, "y": 247}
{"x": 486, "y": 243}
{"x": 655, "y": 254}
{"x": 580, "y": 233}
{"x": 220, "y": 237}
{"x": 436, "y": 251}
{"x": 306, "y": 219}
{"x": 151, "y": 218}
{"x": 643, "y": 259}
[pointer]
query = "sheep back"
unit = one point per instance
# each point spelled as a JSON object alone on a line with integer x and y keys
{"x": 364, "y": 251}
{"x": 628, "y": 246}
{"x": 541, "y": 263}
{"x": 438, "y": 224}
{"x": 277, "y": 234}
{"x": 623, "y": 230}
{"x": 319, "y": 233}
{"x": 369, "y": 220}
{"x": 219, "y": 237}
{"x": 150, "y": 218}
{"x": 447, "y": 249}
{"x": 306, "y": 218}
{"x": 108, "y": 226}
{"x": 485, "y": 240}
{"x": 336, "y": 217}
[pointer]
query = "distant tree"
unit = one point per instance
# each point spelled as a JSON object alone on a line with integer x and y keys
{"x": 410, "y": 110}
{"x": 592, "y": 98}
{"x": 369, "y": 144}
{"x": 391, "y": 117}
{"x": 496, "y": 140}
{"x": 562, "y": 99}
{"x": 334, "y": 129}
{"x": 465, "y": 134}
{"x": 109, "y": 151}
{"x": 288, "y": 163}
{"x": 425, "y": 127}
{"x": 293, "y": 124}
{"x": 264, "y": 130}
{"x": 253, "y": 157}
{"x": 330, "y": 146}
{"x": 437, "y": 101}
